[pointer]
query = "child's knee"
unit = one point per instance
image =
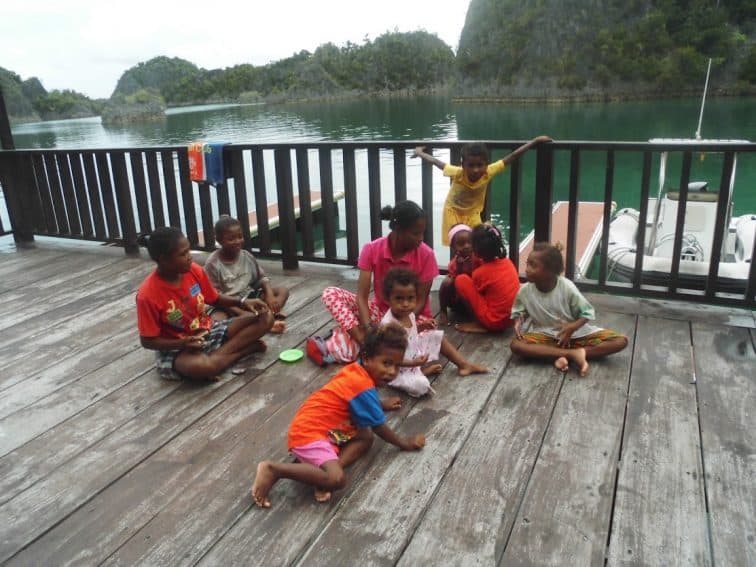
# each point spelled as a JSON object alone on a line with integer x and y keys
{"x": 517, "y": 346}
{"x": 337, "y": 479}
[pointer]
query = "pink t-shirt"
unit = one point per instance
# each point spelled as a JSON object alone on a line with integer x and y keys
{"x": 376, "y": 258}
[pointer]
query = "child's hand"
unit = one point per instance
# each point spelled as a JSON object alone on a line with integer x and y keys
{"x": 565, "y": 335}
{"x": 427, "y": 325}
{"x": 391, "y": 404}
{"x": 195, "y": 342}
{"x": 542, "y": 140}
{"x": 419, "y": 150}
{"x": 414, "y": 443}
{"x": 419, "y": 360}
{"x": 518, "y": 327}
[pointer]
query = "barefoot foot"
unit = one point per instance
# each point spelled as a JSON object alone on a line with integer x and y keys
{"x": 562, "y": 364}
{"x": 278, "y": 327}
{"x": 322, "y": 495}
{"x": 264, "y": 480}
{"x": 471, "y": 327}
{"x": 578, "y": 357}
{"x": 470, "y": 368}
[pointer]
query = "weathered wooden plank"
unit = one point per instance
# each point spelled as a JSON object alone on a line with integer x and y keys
{"x": 40, "y": 270}
{"x": 471, "y": 515}
{"x": 725, "y": 369}
{"x": 389, "y": 502}
{"x": 27, "y": 358}
{"x": 674, "y": 309}
{"x": 216, "y": 494}
{"x": 36, "y": 459}
{"x": 196, "y": 457}
{"x": 660, "y": 512}
{"x": 564, "y": 516}
{"x": 40, "y": 292}
{"x": 50, "y": 502}
{"x": 36, "y": 418}
{"x": 80, "y": 301}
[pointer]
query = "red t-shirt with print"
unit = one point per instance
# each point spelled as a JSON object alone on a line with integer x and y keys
{"x": 174, "y": 312}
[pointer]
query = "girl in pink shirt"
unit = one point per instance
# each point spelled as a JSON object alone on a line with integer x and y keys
{"x": 357, "y": 313}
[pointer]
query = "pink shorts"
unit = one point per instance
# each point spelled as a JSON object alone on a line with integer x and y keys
{"x": 316, "y": 453}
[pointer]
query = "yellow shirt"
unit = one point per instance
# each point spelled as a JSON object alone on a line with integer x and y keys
{"x": 465, "y": 200}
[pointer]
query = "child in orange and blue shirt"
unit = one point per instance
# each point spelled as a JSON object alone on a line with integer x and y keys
{"x": 334, "y": 426}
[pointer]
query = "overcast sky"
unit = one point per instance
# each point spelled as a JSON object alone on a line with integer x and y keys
{"x": 86, "y": 45}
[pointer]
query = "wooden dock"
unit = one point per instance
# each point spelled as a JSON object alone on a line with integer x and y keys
{"x": 647, "y": 461}
{"x": 274, "y": 219}
{"x": 590, "y": 216}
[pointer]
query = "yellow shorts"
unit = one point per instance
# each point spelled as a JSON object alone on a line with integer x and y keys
{"x": 455, "y": 216}
{"x": 593, "y": 339}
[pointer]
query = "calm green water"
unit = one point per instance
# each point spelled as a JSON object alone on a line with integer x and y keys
{"x": 436, "y": 118}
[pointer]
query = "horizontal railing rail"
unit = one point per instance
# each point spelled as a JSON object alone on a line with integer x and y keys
{"x": 321, "y": 202}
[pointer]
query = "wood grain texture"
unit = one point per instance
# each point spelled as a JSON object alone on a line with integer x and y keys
{"x": 726, "y": 378}
{"x": 564, "y": 517}
{"x": 660, "y": 512}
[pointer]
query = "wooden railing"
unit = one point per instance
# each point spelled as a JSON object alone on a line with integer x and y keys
{"x": 114, "y": 195}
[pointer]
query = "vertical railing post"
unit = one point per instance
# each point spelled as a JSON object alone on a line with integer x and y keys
{"x": 6, "y": 137}
{"x": 14, "y": 171}
{"x": 544, "y": 188}
{"x": 287, "y": 222}
{"x": 123, "y": 199}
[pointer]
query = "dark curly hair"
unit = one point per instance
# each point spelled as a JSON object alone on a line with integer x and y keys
{"x": 475, "y": 149}
{"x": 402, "y": 215}
{"x": 224, "y": 223}
{"x": 487, "y": 242}
{"x": 161, "y": 242}
{"x": 401, "y": 276}
{"x": 551, "y": 256}
{"x": 388, "y": 336}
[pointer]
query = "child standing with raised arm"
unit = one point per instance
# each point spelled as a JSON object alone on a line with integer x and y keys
{"x": 560, "y": 330}
{"x": 235, "y": 271}
{"x": 424, "y": 341}
{"x": 467, "y": 195}
{"x": 334, "y": 426}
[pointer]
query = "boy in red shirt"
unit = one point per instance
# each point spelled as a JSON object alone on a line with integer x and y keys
{"x": 172, "y": 320}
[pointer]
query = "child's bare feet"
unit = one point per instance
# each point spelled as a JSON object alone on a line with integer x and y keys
{"x": 264, "y": 480}
{"x": 278, "y": 327}
{"x": 432, "y": 369}
{"x": 471, "y": 327}
{"x": 470, "y": 368}
{"x": 322, "y": 495}
{"x": 562, "y": 364}
{"x": 578, "y": 357}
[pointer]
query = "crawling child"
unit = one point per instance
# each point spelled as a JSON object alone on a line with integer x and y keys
{"x": 334, "y": 427}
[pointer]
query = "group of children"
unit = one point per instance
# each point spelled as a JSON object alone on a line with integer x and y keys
{"x": 200, "y": 322}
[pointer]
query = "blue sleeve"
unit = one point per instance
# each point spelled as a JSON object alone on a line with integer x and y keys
{"x": 366, "y": 409}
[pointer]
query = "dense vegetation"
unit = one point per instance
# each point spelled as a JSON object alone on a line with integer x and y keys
{"x": 605, "y": 48}
{"x": 30, "y": 101}
{"x": 532, "y": 49}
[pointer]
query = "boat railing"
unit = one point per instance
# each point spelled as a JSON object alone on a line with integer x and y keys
{"x": 113, "y": 195}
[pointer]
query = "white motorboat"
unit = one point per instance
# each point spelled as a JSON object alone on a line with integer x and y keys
{"x": 697, "y": 236}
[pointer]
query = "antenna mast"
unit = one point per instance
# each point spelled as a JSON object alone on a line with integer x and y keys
{"x": 703, "y": 101}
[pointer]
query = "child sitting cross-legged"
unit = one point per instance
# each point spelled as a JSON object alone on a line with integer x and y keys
{"x": 334, "y": 426}
{"x": 172, "y": 319}
{"x": 463, "y": 261}
{"x": 400, "y": 289}
{"x": 560, "y": 330}
{"x": 234, "y": 271}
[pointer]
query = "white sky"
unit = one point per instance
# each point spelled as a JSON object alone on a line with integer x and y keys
{"x": 86, "y": 45}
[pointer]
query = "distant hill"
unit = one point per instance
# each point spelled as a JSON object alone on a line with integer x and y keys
{"x": 29, "y": 101}
{"x": 509, "y": 49}
{"x": 551, "y": 49}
